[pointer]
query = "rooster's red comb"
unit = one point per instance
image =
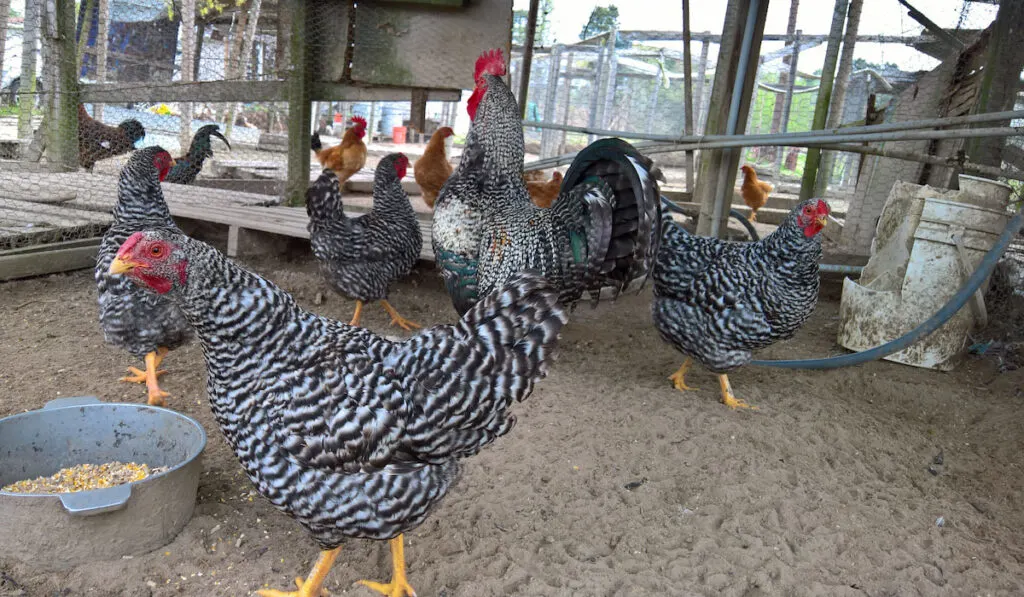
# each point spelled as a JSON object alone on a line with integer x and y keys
{"x": 359, "y": 120}
{"x": 490, "y": 62}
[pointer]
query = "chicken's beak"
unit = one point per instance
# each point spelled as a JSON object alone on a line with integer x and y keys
{"x": 121, "y": 266}
{"x": 822, "y": 221}
{"x": 173, "y": 163}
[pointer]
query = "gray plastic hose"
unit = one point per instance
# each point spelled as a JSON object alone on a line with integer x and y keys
{"x": 985, "y": 268}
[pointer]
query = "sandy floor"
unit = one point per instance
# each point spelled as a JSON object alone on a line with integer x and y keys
{"x": 612, "y": 483}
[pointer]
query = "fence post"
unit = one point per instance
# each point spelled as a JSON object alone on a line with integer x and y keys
{"x": 299, "y": 108}
{"x": 835, "y": 113}
{"x": 547, "y": 136}
{"x": 787, "y": 101}
{"x": 63, "y": 139}
{"x": 26, "y": 91}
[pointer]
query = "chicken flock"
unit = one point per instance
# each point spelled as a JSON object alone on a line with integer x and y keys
{"x": 355, "y": 435}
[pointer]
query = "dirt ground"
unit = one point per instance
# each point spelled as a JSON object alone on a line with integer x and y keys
{"x": 613, "y": 483}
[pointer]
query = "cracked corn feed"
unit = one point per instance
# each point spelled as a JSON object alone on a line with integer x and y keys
{"x": 84, "y": 477}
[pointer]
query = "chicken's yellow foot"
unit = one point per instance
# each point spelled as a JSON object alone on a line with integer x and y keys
{"x": 150, "y": 375}
{"x": 397, "y": 319}
{"x": 312, "y": 585}
{"x": 753, "y": 216}
{"x": 399, "y": 585}
{"x": 728, "y": 398}
{"x": 679, "y": 377}
{"x": 359, "y": 311}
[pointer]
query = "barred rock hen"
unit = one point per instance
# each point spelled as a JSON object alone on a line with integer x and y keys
{"x": 716, "y": 301}
{"x": 362, "y": 256}
{"x": 601, "y": 232}
{"x": 350, "y": 434}
{"x": 144, "y": 324}
{"x": 98, "y": 141}
{"x": 188, "y": 166}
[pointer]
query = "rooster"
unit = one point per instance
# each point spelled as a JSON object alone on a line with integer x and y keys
{"x": 601, "y": 232}
{"x": 350, "y": 434}
{"x": 188, "y": 167}
{"x": 544, "y": 193}
{"x": 754, "y": 192}
{"x": 433, "y": 169}
{"x": 144, "y": 324}
{"x": 716, "y": 301}
{"x": 347, "y": 157}
{"x": 362, "y": 256}
{"x": 98, "y": 141}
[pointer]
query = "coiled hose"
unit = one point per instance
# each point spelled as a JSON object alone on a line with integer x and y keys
{"x": 985, "y": 268}
{"x": 668, "y": 203}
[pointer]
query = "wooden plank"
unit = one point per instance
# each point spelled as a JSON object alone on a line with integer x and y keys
{"x": 58, "y": 257}
{"x": 418, "y": 46}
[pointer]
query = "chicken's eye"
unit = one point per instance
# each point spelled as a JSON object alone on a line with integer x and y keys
{"x": 156, "y": 251}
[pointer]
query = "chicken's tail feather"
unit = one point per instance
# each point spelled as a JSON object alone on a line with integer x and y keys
{"x": 632, "y": 233}
{"x": 314, "y": 142}
{"x": 323, "y": 202}
{"x": 470, "y": 373}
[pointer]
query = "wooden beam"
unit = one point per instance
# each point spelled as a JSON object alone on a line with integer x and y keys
{"x": 687, "y": 92}
{"x": 418, "y": 110}
{"x": 828, "y": 71}
{"x": 251, "y": 91}
{"x": 299, "y": 107}
{"x": 835, "y": 113}
{"x": 50, "y": 258}
{"x": 62, "y": 144}
{"x": 524, "y": 76}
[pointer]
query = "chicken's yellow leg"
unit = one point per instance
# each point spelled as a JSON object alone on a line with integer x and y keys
{"x": 359, "y": 311}
{"x": 402, "y": 322}
{"x": 753, "y": 215}
{"x": 150, "y": 375}
{"x": 679, "y": 377}
{"x": 728, "y": 398}
{"x": 313, "y": 585}
{"x": 399, "y": 585}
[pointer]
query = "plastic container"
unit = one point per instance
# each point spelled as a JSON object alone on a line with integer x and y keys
{"x": 949, "y": 241}
{"x": 57, "y": 531}
{"x": 398, "y": 134}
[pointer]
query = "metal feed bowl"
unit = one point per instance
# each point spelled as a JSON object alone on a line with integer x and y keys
{"x": 56, "y": 531}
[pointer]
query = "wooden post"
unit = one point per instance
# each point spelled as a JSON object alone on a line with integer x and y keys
{"x": 26, "y": 93}
{"x": 835, "y": 113}
{"x": 688, "y": 91}
{"x": 784, "y": 78}
{"x": 787, "y": 100}
{"x": 63, "y": 139}
{"x": 828, "y": 72}
{"x": 652, "y": 106}
{"x": 547, "y": 136}
{"x": 102, "y": 41}
{"x": 200, "y": 34}
{"x": 371, "y": 123}
{"x": 565, "y": 102}
{"x": 702, "y": 70}
{"x": 188, "y": 58}
{"x": 610, "y": 76}
{"x": 83, "y": 34}
{"x": 524, "y": 77}
{"x": 5, "y": 11}
{"x": 244, "y": 52}
{"x": 595, "y": 90}
{"x": 298, "y": 105}
{"x": 1000, "y": 79}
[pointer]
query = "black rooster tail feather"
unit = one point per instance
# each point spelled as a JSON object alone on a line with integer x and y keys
{"x": 634, "y": 230}
{"x": 314, "y": 142}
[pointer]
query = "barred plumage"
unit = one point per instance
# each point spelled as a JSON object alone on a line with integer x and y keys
{"x": 600, "y": 232}
{"x": 362, "y": 256}
{"x": 137, "y": 321}
{"x": 717, "y": 301}
{"x": 351, "y": 434}
{"x": 188, "y": 166}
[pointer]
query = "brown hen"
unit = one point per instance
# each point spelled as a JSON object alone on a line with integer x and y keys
{"x": 433, "y": 169}
{"x": 754, "y": 192}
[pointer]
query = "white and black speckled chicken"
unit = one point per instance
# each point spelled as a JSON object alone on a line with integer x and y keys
{"x": 349, "y": 433}
{"x": 144, "y": 324}
{"x": 716, "y": 301}
{"x": 362, "y": 256}
{"x": 601, "y": 232}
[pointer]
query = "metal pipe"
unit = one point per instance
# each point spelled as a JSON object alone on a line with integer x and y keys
{"x": 524, "y": 75}
{"x": 687, "y": 91}
{"x": 723, "y": 188}
{"x": 835, "y": 268}
{"x": 756, "y": 139}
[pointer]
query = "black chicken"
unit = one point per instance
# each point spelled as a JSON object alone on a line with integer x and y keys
{"x": 601, "y": 232}
{"x": 98, "y": 141}
{"x": 362, "y": 256}
{"x": 145, "y": 324}
{"x": 188, "y": 166}
{"x": 716, "y": 301}
{"x": 349, "y": 433}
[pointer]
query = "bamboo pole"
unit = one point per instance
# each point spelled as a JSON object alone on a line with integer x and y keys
{"x": 842, "y": 82}
{"x": 687, "y": 91}
{"x": 824, "y": 95}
